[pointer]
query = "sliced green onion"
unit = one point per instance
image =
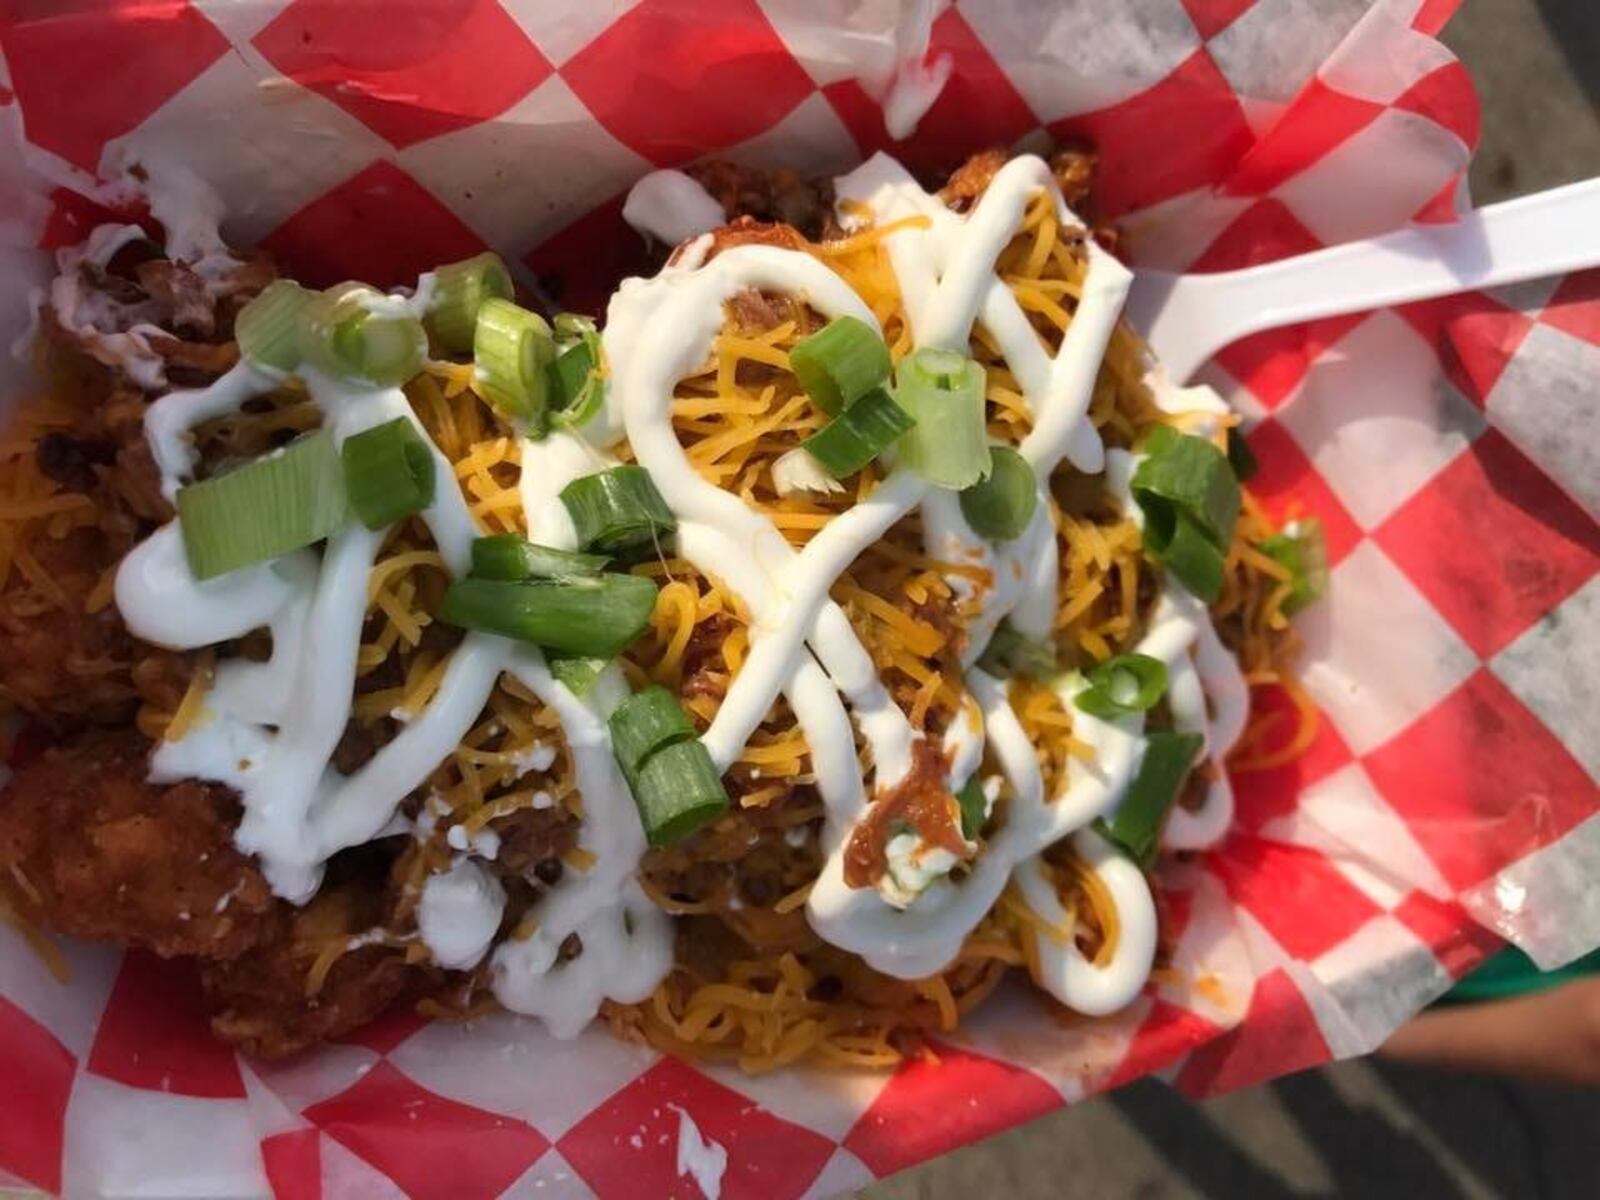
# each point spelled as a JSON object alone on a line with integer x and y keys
{"x": 974, "y": 808}
{"x": 1010, "y": 654}
{"x": 1189, "y": 474}
{"x": 509, "y": 557}
{"x": 617, "y": 509}
{"x": 1128, "y": 683}
{"x": 268, "y": 328}
{"x": 1240, "y": 457}
{"x": 1190, "y": 499}
{"x": 458, "y": 295}
{"x": 513, "y": 350}
{"x": 576, "y": 674}
{"x": 943, "y": 391}
{"x": 571, "y": 326}
{"x": 1300, "y": 547}
{"x": 1187, "y": 554}
{"x": 594, "y": 616}
{"x": 1000, "y": 507}
{"x": 867, "y": 427}
{"x": 388, "y": 472}
{"x": 572, "y": 367}
{"x": 575, "y": 375}
{"x": 678, "y": 791}
{"x": 341, "y": 334}
{"x": 643, "y": 724}
{"x": 1136, "y": 823}
{"x": 840, "y": 363}
{"x": 266, "y": 508}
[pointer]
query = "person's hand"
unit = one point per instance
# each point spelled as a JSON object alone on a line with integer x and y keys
{"x": 1552, "y": 1036}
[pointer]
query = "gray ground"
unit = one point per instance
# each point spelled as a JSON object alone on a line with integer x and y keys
{"x": 1360, "y": 1129}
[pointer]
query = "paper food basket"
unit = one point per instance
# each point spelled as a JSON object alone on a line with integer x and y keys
{"x": 1449, "y": 800}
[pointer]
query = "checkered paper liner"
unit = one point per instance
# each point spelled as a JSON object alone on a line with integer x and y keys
{"x": 1449, "y": 801}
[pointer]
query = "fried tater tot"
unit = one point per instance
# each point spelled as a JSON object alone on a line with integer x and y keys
{"x": 92, "y": 849}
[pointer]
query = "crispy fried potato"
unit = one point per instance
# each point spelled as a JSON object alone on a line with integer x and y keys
{"x": 91, "y": 849}
{"x": 268, "y": 1002}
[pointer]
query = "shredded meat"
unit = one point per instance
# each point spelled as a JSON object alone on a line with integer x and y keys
{"x": 359, "y": 743}
{"x": 743, "y": 863}
{"x": 137, "y": 483}
{"x": 745, "y": 231}
{"x": 189, "y": 361}
{"x": 971, "y": 179}
{"x": 181, "y": 293}
{"x": 262, "y": 1001}
{"x": 95, "y": 851}
{"x": 704, "y": 671}
{"x": 756, "y": 310}
{"x": 70, "y": 461}
{"x": 780, "y": 195}
{"x": 1073, "y": 168}
{"x": 531, "y": 837}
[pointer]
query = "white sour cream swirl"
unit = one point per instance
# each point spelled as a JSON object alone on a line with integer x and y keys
{"x": 274, "y": 725}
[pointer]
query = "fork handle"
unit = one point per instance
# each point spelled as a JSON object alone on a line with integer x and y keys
{"x": 1532, "y": 237}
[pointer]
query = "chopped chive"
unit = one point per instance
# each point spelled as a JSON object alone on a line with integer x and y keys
{"x": 512, "y": 349}
{"x": 507, "y": 556}
{"x": 1301, "y": 549}
{"x": 943, "y": 392}
{"x": 577, "y": 386}
{"x": 840, "y": 363}
{"x": 340, "y": 333}
{"x": 1190, "y": 500}
{"x": 388, "y": 472}
{"x": 575, "y": 673}
{"x": 569, "y": 326}
{"x": 678, "y": 792}
{"x": 268, "y": 328}
{"x": 1128, "y": 683}
{"x": 594, "y": 616}
{"x": 1188, "y": 473}
{"x": 1000, "y": 507}
{"x": 1010, "y": 653}
{"x": 263, "y": 509}
{"x": 617, "y": 509}
{"x": 643, "y": 724}
{"x": 1187, "y": 554}
{"x": 867, "y": 427}
{"x": 459, "y": 293}
{"x": 1136, "y": 823}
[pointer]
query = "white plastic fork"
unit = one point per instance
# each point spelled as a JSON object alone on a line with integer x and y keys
{"x": 1188, "y": 318}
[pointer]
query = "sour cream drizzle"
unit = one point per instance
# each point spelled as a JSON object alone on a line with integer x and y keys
{"x": 273, "y": 726}
{"x": 802, "y": 646}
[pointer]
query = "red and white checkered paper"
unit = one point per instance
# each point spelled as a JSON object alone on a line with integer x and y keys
{"x": 1447, "y": 448}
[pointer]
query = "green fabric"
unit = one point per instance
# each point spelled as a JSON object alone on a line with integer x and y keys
{"x": 1512, "y": 973}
